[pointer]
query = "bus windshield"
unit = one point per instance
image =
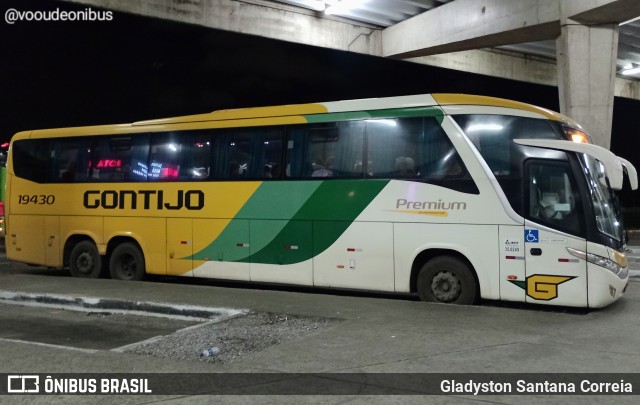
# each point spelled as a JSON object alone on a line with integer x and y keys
{"x": 492, "y": 136}
{"x": 605, "y": 205}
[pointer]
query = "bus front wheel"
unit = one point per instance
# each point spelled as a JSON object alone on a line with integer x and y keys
{"x": 447, "y": 279}
{"x": 85, "y": 261}
{"x": 127, "y": 263}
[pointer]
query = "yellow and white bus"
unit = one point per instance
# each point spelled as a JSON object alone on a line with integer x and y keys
{"x": 454, "y": 197}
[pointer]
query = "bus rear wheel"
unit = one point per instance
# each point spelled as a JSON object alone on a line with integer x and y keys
{"x": 447, "y": 279}
{"x": 127, "y": 263}
{"x": 85, "y": 261}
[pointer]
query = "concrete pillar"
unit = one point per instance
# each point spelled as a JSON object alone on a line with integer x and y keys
{"x": 586, "y": 58}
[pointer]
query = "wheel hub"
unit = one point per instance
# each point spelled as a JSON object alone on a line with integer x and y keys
{"x": 128, "y": 266}
{"x": 85, "y": 263}
{"x": 446, "y": 287}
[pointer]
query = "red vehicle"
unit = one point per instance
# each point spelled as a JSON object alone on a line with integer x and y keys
{"x": 2, "y": 219}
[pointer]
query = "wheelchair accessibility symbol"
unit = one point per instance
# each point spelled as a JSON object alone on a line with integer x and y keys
{"x": 531, "y": 235}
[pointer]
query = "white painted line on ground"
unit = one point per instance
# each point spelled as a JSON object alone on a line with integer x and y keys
{"x": 99, "y": 310}
{"x": 94, "y": 304}
{"x": 124, "y": 348}
{"x": 26, "y": 342}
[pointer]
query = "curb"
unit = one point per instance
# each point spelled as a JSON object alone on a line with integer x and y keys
{"x": 146, "y": 308}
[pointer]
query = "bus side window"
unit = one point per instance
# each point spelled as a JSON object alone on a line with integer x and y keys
{"x": 31, "y": 159}
{"x": 71, "y": 158}
{"x": 241, "y": 151}
{"x": 248, "y": 153}
{"x": 333, "y": 149}
{"x": 392, "y": 147}
{"x": 199, "y": 159}
{"x": 121, "y": 158}
{"x": 179, "y": 156}
{"x": 270, "y": 139}
{"x": 412, "y": 148}
{"x": 553, "y": 197}
{"x": 493, "y": 134}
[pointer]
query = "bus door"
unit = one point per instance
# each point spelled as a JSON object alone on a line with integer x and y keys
{"x": 553, "y": 216}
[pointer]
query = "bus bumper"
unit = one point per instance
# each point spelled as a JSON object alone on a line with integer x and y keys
{"x": 605, "y": 287}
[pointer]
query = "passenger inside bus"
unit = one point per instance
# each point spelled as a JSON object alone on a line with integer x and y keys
{"x": 552, "y": 197}
{"x": 405, "y": 167}
{"x": 322, "y": 168}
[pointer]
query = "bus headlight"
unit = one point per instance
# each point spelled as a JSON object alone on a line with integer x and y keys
{"x": 600, "y": 261}
{"x": 619, "y": 258}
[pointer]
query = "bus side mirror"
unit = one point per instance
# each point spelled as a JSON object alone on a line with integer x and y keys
{"x": 632, "y": 174}
{"x": 612, "y": 163}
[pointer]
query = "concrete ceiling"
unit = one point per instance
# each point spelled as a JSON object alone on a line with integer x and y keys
{"x": 386, "y": 13}
{"x": 381, "y": 13}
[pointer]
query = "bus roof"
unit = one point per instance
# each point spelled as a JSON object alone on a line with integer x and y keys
{"x": 421, "y": 100}
{"x": 297, "y": 113}
{"x": 466, "y": 99}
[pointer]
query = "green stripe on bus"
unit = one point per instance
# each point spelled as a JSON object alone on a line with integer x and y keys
{"x": 340, "y": 200}
{"x": 278, "y": 199}
{"x": 331, "y": 209}
{"x": 229, "y": 246}
{"x": 276, "y": 202}
{"x": 375, "y": 114}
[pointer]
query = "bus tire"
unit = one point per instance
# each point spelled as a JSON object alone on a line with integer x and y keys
{"x": 85, "y": 261}
{"x": 127, "y": 263}
{"x": 447, "y": 279}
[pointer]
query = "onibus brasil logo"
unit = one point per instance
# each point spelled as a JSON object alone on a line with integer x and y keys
{"x": 542, "y": 286}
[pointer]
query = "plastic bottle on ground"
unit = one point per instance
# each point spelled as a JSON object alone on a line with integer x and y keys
{"x": 209, "y": 352}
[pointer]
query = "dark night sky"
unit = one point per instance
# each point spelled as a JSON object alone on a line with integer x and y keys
{"x": 58, "y": 74}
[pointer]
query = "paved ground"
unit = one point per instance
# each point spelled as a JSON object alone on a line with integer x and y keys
{"x": 85, "y": 330}
{"x": 376, "y": 334}
{"x": 633, "y": 249}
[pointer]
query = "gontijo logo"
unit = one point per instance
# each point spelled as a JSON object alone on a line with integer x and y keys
{"x": 542, "y": 286}
{"x": 144, "y": 199}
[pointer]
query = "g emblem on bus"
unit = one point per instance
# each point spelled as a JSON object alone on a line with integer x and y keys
{"x": 542, "y": 287}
